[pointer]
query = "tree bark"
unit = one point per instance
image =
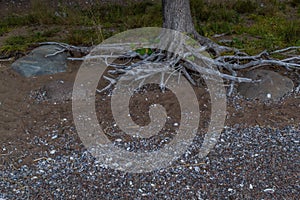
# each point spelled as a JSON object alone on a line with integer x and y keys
{"x": 177, "y": 16}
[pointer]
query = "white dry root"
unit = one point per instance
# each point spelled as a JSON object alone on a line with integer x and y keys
{"x": 192, "y": 62}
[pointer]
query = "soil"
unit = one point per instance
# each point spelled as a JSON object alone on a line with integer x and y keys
{"x": 36, "y": 115}
{"x": 37, "y": 128}
{"x": 26, "y": 112}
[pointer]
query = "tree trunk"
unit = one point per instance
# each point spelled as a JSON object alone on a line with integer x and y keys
{"x": 177, "y": 16}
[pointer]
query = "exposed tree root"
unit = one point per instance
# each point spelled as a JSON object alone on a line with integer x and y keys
{"x": 163, "y": 62}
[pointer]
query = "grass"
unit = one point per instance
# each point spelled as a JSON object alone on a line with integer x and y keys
{"x": 20, "y": 43}
{"x": 253, "y": 27}
{"x": 3, "y": 30}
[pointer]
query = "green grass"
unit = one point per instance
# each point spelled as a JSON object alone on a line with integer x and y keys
{"x": 15, "y": 44}
{"x": 3, "y": 30}
{"x": 275, "y": 32}
{"x": 253, "y": 27}
{"x": 274, "y": 24}
{"x": 22, "y": 43}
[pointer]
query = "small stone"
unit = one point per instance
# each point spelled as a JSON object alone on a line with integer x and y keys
{"x": 37, "y": 63}
{"x": 269, "y": 190}
{"x": 52, "y": 152}
{"x": 272, "y": 86}
{"x": 54, "y": 137}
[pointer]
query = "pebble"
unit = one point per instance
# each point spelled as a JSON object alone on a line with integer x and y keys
{"x": 270, "y": 190}
{"x": 54, "y": 137}
{"x": 214, "y": 180}
{"x": 250, "y": 186}
{"x": 52, "y": 151}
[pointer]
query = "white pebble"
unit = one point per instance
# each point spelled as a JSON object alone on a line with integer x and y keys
{"x": 54, "y": 137}
{"x": 269, "y": 96}
{"x": 270, "y": 190}
{"x": 52, "y": 152}
{"x": 250, "y": 186}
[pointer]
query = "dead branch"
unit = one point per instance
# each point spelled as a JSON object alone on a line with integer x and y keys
{"x": 7, "y": 59}
{"x": 286, "y": 49}
{"x": 136, "y": 71}
{"x": 67, "y": 47}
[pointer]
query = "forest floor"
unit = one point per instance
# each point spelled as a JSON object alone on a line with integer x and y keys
{"x": 42, "y": 156}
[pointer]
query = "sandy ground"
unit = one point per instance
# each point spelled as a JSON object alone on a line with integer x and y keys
{"x": 42, "y": 156}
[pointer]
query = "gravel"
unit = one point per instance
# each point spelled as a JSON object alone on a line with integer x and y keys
{"x": 251, "y": 163}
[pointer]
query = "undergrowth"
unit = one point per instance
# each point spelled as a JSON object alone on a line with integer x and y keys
{"x": 250, "y": 25}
